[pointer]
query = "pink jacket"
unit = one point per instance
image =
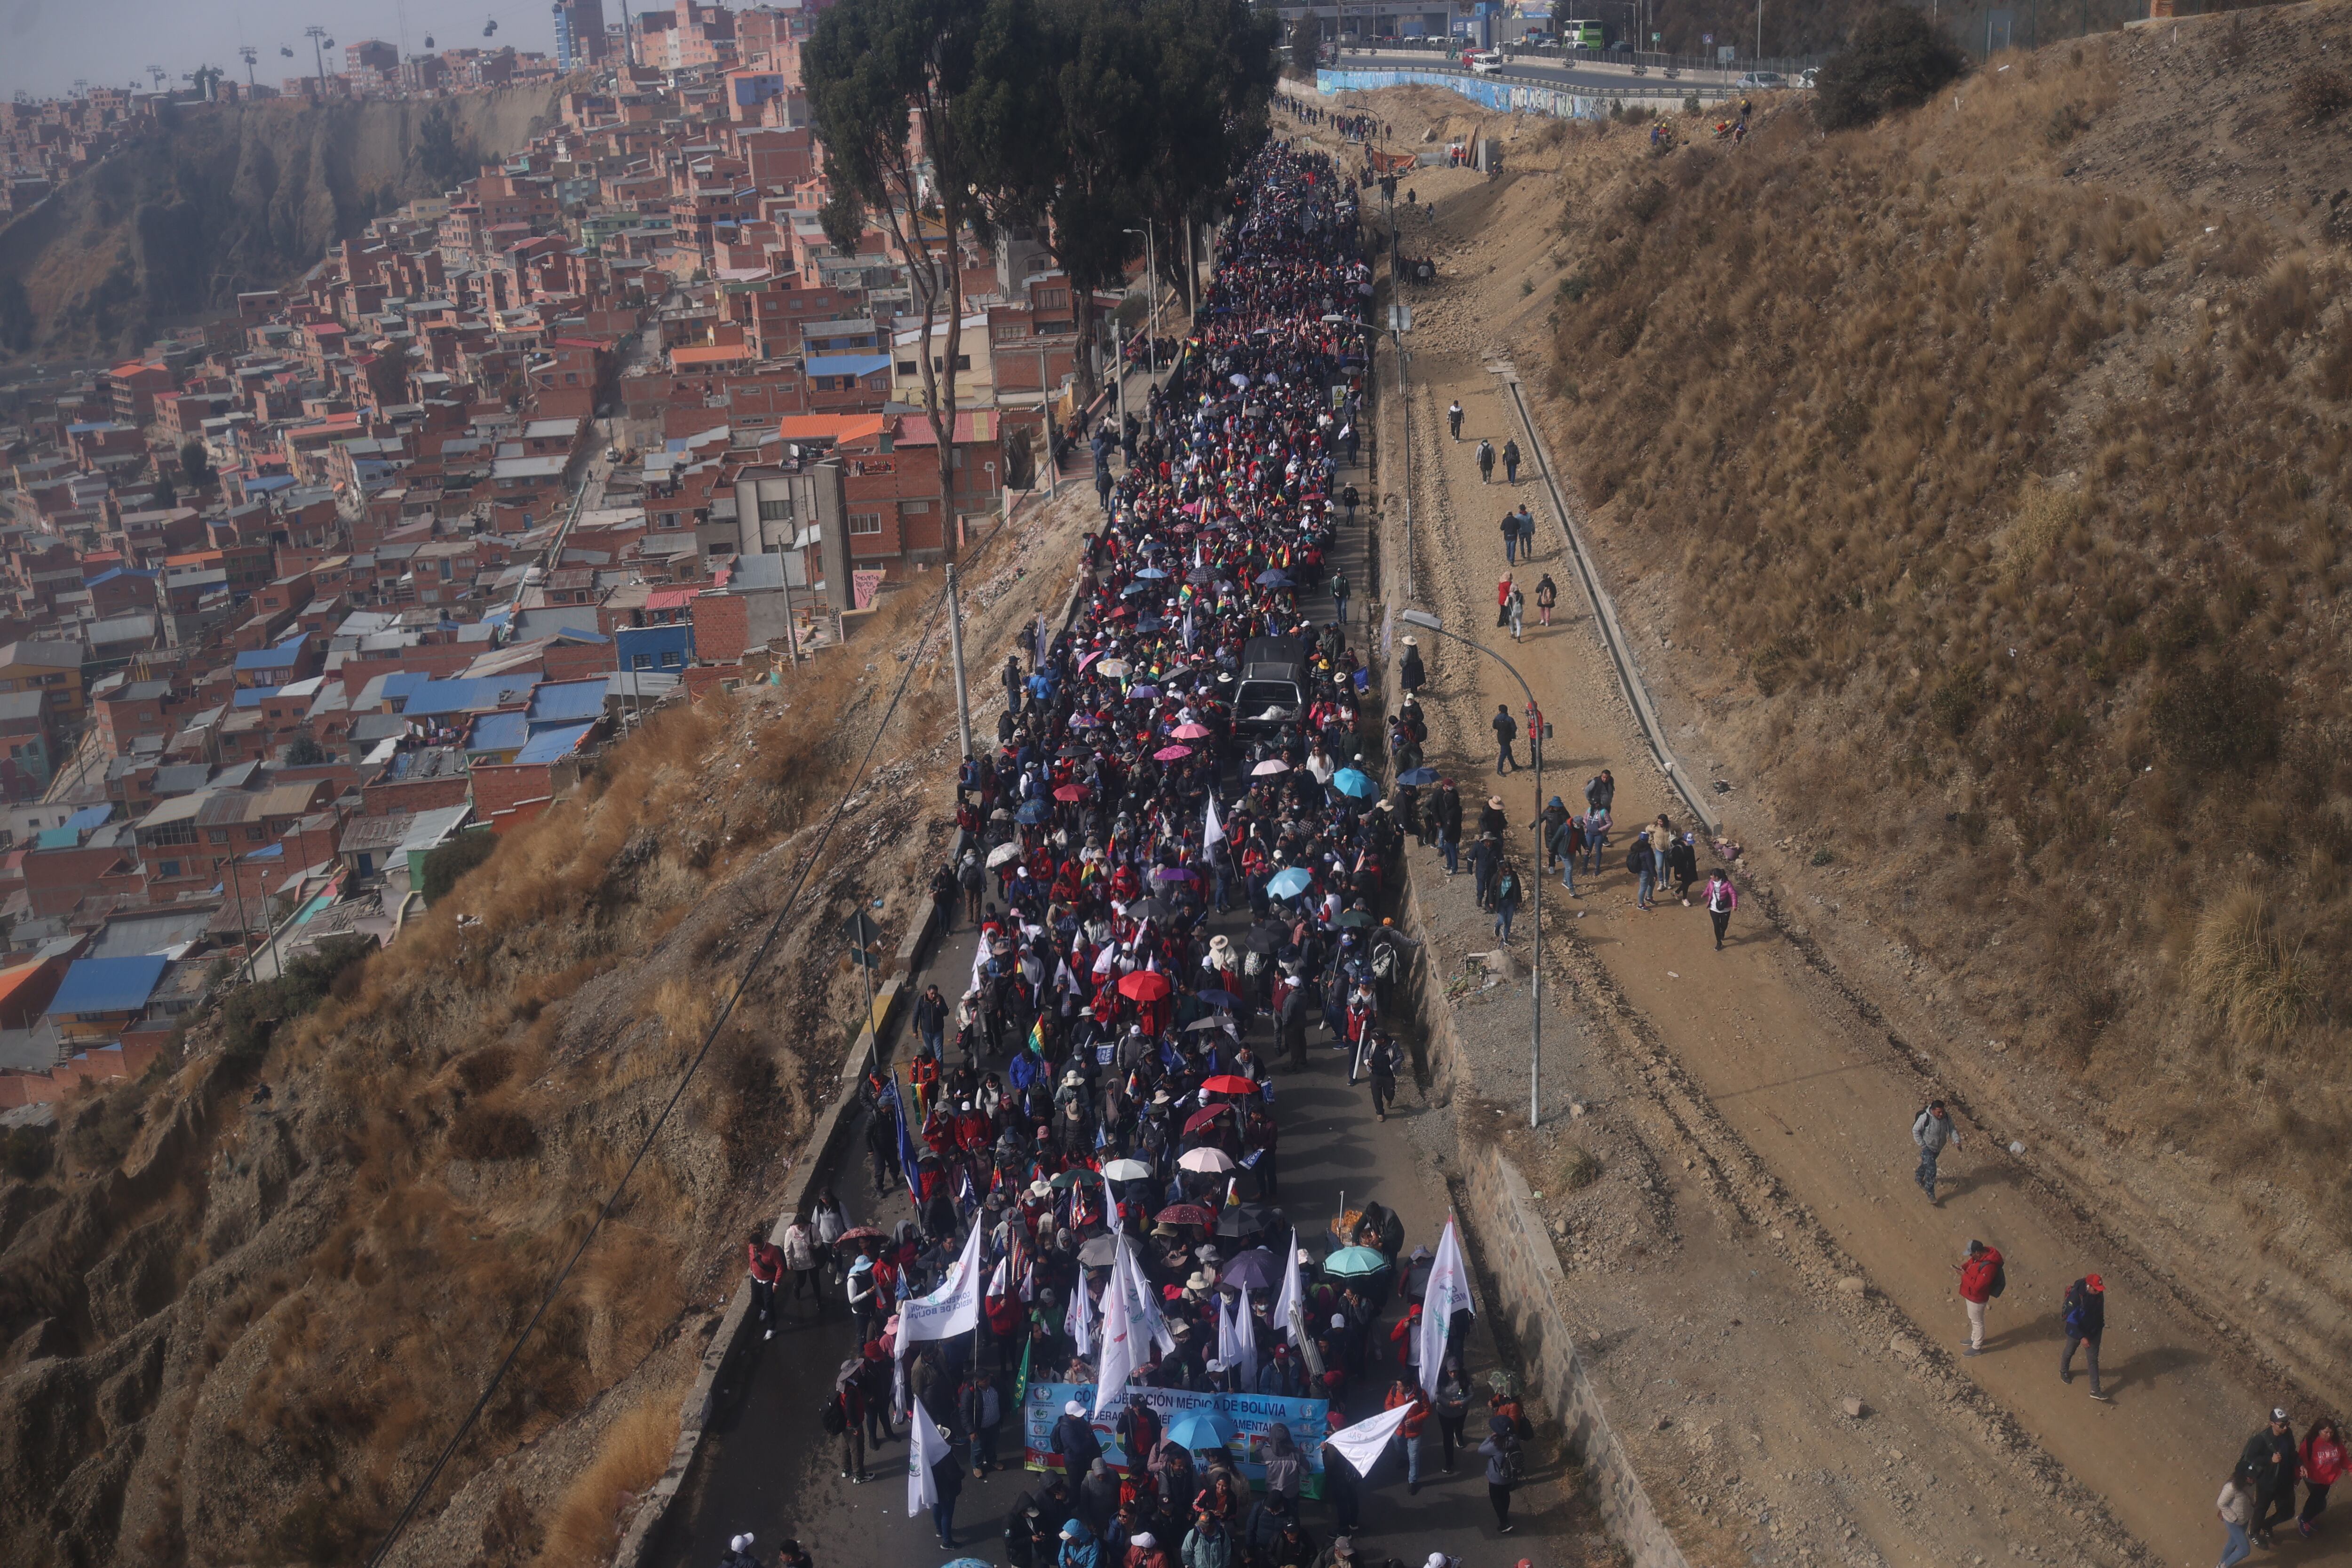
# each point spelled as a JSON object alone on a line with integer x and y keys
{"x": 1722, "y": 897}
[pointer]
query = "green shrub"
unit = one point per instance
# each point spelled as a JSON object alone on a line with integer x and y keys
{"x": 250, "y": 1015}
{"x": 446, "y": 867}
{"x": 1895, "y": 59}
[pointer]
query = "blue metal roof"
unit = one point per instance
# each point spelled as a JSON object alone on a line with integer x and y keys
{"x": 567, "y": 702}
{"x": 282, "y": 657}
{"x": 58, "y": 838}
{"x": 252, "y": 695}
{"x": 266, "y": 482}
{"x": 475, "y": 696}
{"x": 549, "y": 744}
{"x": 110, "y": 575}
{"x": 88, "y": 817}
{"x": 499, "y": 733}
{"x": 847, "y": 364}
{"x": 108, "y": 985}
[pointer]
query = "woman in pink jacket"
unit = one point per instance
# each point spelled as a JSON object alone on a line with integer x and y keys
{"x": 1722, "y": 897}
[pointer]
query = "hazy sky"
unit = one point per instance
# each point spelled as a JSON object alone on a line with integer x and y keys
{"x": 45, "y": 44}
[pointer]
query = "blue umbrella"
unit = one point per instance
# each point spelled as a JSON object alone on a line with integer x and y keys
{"x": 1033, "y": 813}
{"x": 1132, "y": 589}
{"x": 1416, "y": 776}
{"x": 1273, "y": 579}
{"x": 1354, "y": 784}
{"x": 1220, "y": 999}
{"x": 1148, "y": 625}
{"x": 1196, "y": 1430}
{"x": 1153, "y": 573}
{"x": 1288, "y": 882}
{"x": 1141, "y": 693}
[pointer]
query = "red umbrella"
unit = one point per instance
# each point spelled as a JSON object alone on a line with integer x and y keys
{"x": 1071, "y": 792}
{"x": 863, "y": 1233}
{"x": 1229, "y": 1083}
{"x": 1184, "y": 1214}
{"x": 1143, "y": 986}
{"x": 1205, "y": 1118}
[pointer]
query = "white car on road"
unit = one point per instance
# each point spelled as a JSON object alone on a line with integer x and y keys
{"x": 1485, "y": 62}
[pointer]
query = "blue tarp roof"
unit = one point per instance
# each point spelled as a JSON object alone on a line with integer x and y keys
{"x": 251, "y": 695}
{"x": 109, "y": 576}
{"x": 567, "y": 702}
{"x": 266, "y": 482}
{"x": 58, "y": 838}
{"x": 845, "y": 364}
{"x": 108, "y": 985}
{"x": 88, "y": 817}
{"x": 499, "y": 733}
{"x": 549, "y": 744}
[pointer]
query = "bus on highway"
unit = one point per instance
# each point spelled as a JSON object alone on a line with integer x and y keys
{"x": 1580, "y": 36}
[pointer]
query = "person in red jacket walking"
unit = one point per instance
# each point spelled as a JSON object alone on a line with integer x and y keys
{"x": 2323, "y": 1467}
{"x": 767, "y": 1266}
{"x": 1981, "y": 1279}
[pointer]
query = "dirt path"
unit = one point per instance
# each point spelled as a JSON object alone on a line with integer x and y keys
{"x": 1822, "y": 1100}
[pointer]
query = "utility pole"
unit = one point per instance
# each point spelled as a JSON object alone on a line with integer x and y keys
{"x": 863, "y": 934}
{"x": 315, "y": 33}
{"x": 955, "y": 652}
{"x": 248, "y": 53}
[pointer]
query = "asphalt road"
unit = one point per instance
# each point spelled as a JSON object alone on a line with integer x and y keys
{"x": 1579, "y": 76}
{"x": 771, "y": 1470}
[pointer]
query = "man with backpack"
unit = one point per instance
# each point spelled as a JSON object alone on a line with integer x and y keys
{"x": 1981, "y": 1279}
{"x": 843, "y": 1415}
{"x": 1511, "y": 461}
{"x": 1931, "y": 1130}
{"x": 1486, "y": 462}
{"x": 1506, "y": 1467}
{"x": 2085, "y": 1313}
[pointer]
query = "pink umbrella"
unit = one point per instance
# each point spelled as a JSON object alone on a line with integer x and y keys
{"x": 1191, "y": 732}
{"x": 1172, "y": 753}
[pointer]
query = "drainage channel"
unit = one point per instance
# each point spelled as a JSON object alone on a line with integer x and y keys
{"x": 1604, "y": 613}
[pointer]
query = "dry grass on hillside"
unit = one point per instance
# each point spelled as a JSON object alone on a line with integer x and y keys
{"x": 2013, "y": 511}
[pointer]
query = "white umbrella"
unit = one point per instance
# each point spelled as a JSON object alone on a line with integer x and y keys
{"x": 1207, "y": 1161}
{"x": 1271, "y": 765}
{"x": 1002, "y": 853}
{"x": 1112, "y": 667}
{"x": 1126, "y": 1170}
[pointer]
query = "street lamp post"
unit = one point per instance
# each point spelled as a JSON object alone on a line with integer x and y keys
{"x": 1429, "y": 623}
{"x": 1151, "y": 298}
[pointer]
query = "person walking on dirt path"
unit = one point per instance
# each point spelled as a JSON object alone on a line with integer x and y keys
{"x": 1600, "y": 791}
{"x": 1340, "y": 595}
{"x": 1510, "y": 526}
{"x": 1722, "y": 897}
{"x": 1981, "y": 1279}
{"x": 1547, "y": 596}
{"x": 1453, "y": 419}
{"x": 1596, "y": 839}
{"x": 1387, "y": 1055}
{"x": 1502, "y": 601}
{"x": 1506, "y": 1467}
{"x": 931, "y": 1017}
{"x": 2323, "y": 1467}
{"x": 1681, "y": 864}
{"x": 1527, "y": 532}
{"x": 2235, "y": 1508}
{"x": 1410, "y": 674}
{"x": 2271, "y": 1454}
{"x": 1446, "y": 811}
{"x": 1642, "y": 862}
{"x": 1518, "y": 609}
{"x": 1511, "y": 461}
{"x": 2085, "y": 1313}
{"x": 802, "y": 1255}
{"x": 1485, "y": 461}
{"x": 1507, "y": 902}
{"x": 1506, "y": 730}
{"x": 1932, "y": 1129}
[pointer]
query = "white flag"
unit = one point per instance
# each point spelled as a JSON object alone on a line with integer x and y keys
{"x": 1361, "y": 1445}
{"x": 1110, "y": 1209}
{"x": 953, "y": 1309}
{"x": 1003, "y": 1278}
{"x": 1237, "y": 1342}
{"x": 1118, "y": 1359}
{"x": 1216, "y": 830}
{"x": 1144, "y": 1305}
{"x": 1448, "y": 1292}
{"x": 1079, "y": 1322}
{"x": 1290, "y": 1308}
{"x": 925, "y": 1448}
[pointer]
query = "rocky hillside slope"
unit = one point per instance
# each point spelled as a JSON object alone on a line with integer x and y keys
{"x": 1976, "y": 485}
{"x": 217, "y": 198}
{"x": 240, "y": 1333}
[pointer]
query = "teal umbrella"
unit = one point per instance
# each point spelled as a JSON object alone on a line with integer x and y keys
{"x": 1198, "y": 1429}
{"x": 1354, "y": 1263}
{"x": 1288, "y": 882}
{"x": 1354, "y": 784}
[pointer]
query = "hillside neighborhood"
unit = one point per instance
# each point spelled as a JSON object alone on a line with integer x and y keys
{"x": 305, "y": 592}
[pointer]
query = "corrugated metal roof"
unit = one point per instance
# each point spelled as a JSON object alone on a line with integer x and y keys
{"x": 549, "y": 745}
{"x": 108, "y": 985}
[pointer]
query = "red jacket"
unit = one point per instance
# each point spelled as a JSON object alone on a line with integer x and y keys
{"x": 1976, "y": 1276}
{"x": 767, "y": 1262}
{"x": 2322, "y": 1462}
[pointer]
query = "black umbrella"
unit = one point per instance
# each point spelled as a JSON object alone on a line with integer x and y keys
{"x": 1244, "y": 1219}
{"x": 1262, "y": 939}
{"x": 1152, "y": 909}
{"x": 1252, "y": 1270}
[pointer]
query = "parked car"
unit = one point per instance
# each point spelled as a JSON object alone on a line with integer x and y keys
{"x": 1761, "y": 81}
{"x": 1806, "y": 77}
